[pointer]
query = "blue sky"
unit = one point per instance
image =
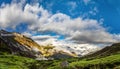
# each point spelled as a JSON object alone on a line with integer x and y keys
{"x": 109, "y": 10}
{"x": 105, "y": 12}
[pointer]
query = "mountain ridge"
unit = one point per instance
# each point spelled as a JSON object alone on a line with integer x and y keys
{"x": 106, "y": 51}
{"x": 25, "y": 46}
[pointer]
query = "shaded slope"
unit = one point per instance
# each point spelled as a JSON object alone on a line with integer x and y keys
{"x": 109, "y": 50}
{"x": 16, "y": 47}
{"x": 3, "y": 48}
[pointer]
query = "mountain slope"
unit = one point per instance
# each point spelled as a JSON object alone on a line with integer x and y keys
{"x": 15, "y": 62}
{"x": 108, "y": 50}
{"x": 24, "y": 46}
{"x": 17, "y": 47}
{"x": 19, "y": 44}
{"x": 106, "y": 58}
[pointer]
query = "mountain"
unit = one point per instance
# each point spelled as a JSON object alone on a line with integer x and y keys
{"x": 108, "y": 50}
{"x": 19, "y": 44}
{"x": 12, "y": 44}
{"x": 106, "y": 58}
{"x": 78, "y": 49}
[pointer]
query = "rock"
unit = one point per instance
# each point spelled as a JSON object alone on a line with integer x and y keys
{"x": 64, "y": 64}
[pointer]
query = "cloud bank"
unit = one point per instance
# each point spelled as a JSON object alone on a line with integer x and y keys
{"x": 38, "y": 19}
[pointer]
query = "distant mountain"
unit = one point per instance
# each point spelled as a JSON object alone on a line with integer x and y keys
{"x": 107, "y": 51}
{"x": 78, "y": 49}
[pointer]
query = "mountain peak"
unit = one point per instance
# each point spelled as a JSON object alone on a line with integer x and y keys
{"x": 17, "y": 44}
{"x": 3, "y": 31}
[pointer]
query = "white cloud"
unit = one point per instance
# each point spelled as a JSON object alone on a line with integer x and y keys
{"x": 45, "y": 39}
{"x": 116, "y": 36}
{"x": 27, "y": 34}
{"x": 40, "y": 20}
{"x": 12, "y": 15}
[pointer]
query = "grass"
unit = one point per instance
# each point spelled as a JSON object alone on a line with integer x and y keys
{"x": 18, "y": 62}
{"x": 110, "y": 62}
{"x": 14, "y": 62}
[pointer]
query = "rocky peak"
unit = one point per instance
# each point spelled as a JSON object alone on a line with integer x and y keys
{"x": 18, "y": 44}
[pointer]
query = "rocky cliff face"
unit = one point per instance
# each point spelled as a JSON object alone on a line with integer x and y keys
{"x": 19, "y": 44}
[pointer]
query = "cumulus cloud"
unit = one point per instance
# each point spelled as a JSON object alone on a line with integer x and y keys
{"x": 12, "y": 15}
{"x": 45, "y": 39}
{"x": 27, "y": 34}
{"x": 116, "y": 36}
{"x": 38, "y": 19}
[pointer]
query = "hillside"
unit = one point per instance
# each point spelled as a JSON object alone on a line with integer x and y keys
{"x": 105, "y": 62}
{"x": 19, "y": 44}
{"x": 108, "y": 50}
{"x": 15, "y": 62}
{"x": 107, "y": 58}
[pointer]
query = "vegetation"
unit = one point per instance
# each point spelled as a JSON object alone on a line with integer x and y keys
{"x": 106, "y": 63}
{"x": 3, "y": 48}
{"x": 107, "y": 58}
{"x": 17, "y": 62}
{"x": 8, "y": 61}
{"x": 14, "y": 62}
{"x": 107, "y": 51}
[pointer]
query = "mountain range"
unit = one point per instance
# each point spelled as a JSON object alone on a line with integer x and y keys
{"x": 20, "y": 52}
{"x": 19, "y": 44}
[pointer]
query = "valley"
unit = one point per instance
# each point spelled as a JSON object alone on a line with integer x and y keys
{"x": 21, "y": 52}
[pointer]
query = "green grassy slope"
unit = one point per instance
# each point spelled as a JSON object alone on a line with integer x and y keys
{"x": 15, "y": 62}
{"x": 107, "y": 58}
{"x": 106, "y": 63}
{"x": 109, "y": 62}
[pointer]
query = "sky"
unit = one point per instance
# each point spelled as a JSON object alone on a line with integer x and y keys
{"x": 74, "y": 21}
